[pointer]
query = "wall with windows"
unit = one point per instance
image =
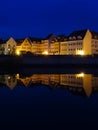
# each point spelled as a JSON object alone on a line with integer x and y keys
{"x": 10, "y": 46}
{"x": 94, "y": 44}
{"x": 54, "y": 48}
{"x": 63, "y": 48}
{"x": 25, "y": 46}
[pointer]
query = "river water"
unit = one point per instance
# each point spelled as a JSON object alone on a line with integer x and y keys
{"x": 49, "y": 100}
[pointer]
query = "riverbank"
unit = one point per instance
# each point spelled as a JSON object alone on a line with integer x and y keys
{"x": 47, "y": 61}
{"x": 60, "y": 61}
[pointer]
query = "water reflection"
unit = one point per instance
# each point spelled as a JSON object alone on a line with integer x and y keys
{"x": 78, "y": 84}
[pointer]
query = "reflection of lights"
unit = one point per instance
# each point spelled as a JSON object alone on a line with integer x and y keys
{"x": 17, "y": 52}
{"x": 9, "y": 77}
{"x": 45, "y": 53}
{"x": 9, "y": 49}
{"x": 80, "y": 75}
{"x": 17, "y": 76}
{"x": 78, "y": 52}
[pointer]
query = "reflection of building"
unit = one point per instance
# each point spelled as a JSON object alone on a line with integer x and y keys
{"x": 9, "y": 80}
{"x": 73, "y": 82}
{"x": 76, "y": 83}
{"x": 82, "y": 42}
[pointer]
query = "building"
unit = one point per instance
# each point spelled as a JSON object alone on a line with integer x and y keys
{"x": 81, "y": 42}
{"x": 78, "y": 43}
{"x": 8, "y": 46}
{"x": 53, "y": 44}
{"x": 62, "y": 44}
{"x": 44, "y": 46}
{"x": 94, "y": 42}
{"x": 23, "y": 46}
{"x": 35, "y": 45}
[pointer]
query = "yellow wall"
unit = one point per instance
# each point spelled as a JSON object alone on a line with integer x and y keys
{"x": 25, "y": 46}
{"x": 87, "y": 84}
{"x": 63, "y": 48}
{"x": 34, "y": 47}
{"x": 54, "y": 48}
{"x": 87, "y": 43}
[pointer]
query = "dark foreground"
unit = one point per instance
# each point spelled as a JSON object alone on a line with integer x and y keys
{"x": 34, "y": 105}
{"x": 11, "y": 62}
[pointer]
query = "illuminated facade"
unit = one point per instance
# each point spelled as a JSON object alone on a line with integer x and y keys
{"x": 54, "y": 48}
{"x": 44, "y": 47}
{"x": 35, "y": 45}
{"x": 81, "y": 42}
{"x": 23, "y": 46}
{"x": 8, "y": 46}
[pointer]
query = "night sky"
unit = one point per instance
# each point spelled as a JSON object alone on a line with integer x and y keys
{"x": 38, "y": 18}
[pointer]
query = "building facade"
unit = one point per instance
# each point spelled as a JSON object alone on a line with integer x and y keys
{"x": 78, "y": 43}
{"x": 81, "y": 42}
{"x": 8, "y": 47}
{"x": 23, "y": 46}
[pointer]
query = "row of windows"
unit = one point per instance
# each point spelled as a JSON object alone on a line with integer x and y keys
{"x": 73, "y": 77}
{"x": 72, "y": 44}
{"x": 77, "y": 43}
{"x": 75, "y": 49}
{"x": 77, "y": 83}
{"x": 63, "y": 44}
{"x": 95, "y": 46}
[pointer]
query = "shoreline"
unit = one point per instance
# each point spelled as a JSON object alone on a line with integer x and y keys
{"x": 48, "y": 61}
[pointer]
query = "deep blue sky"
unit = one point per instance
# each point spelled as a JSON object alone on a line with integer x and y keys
{"x": 20, "y": 18}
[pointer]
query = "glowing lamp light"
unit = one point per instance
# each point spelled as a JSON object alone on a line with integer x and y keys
{"x": 80, "y": 52}
{"x": 80, "y": 75}
{"x": 17, "y": 52}
{"x": 45, "y": 53}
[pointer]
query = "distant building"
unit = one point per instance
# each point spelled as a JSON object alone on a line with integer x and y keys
{"x": 79, "y": 43}
{"x": 23, "y": 46}
{"x": 7, "y": 46}
{"x": 82, "y": 42}
{"x": 62, "y": 44}
{"x": 35, "y": 45}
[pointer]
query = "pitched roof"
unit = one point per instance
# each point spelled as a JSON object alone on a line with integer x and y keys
{"x": 19, "y": 41}
{"x": 94, "y": 35}
{"x": 51, "y": 37}
{"x": 32, "y": 39}
{"x": 61, "y": 38}
{"x": 80, "y": 34}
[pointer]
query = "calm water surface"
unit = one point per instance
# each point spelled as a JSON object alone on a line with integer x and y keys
{"x": 49, "y": 100}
